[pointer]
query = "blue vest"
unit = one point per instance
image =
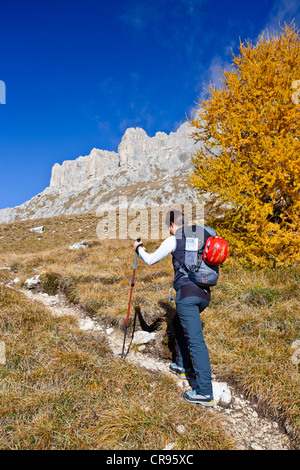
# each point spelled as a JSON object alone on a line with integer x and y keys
{"x": 180, "y": 278}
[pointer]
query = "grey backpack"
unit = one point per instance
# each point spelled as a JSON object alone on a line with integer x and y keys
{"x": 194, "y": 267}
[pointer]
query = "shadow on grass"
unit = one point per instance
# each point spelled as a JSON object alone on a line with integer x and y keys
{"x": 167, "y": 318}
{"x": 169, "y": 339}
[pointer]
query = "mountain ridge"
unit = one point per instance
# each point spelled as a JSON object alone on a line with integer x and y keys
{"x": 150, "y": 170}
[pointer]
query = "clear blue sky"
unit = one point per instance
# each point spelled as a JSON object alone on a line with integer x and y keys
{"x": 79, "y": 73}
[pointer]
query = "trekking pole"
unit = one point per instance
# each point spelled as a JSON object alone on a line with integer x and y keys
{"x": 132, "y": 285}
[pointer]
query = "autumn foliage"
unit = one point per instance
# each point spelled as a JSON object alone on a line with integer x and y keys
{"x": 249, "y": 160}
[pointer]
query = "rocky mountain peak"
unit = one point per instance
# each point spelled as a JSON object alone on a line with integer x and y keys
{"x": 137, "y": 150}
{"x": 150, "y": 170}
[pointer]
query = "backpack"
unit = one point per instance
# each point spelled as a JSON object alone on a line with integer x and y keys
{"x": 194, "y": 267}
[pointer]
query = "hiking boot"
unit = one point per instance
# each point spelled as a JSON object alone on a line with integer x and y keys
{"x": 193, "y": 397}
{"x": 179, "y": 371}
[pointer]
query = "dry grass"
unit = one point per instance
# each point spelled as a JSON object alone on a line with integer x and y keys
{"x": 62, "y": 389}
{"x": 252, "y": 321}
{"x": 249, "y": 326}
{"x": 58, "y": 232}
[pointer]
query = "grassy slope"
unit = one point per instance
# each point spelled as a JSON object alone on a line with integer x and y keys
{"x": 62, "y": 389}
{"x": 249, "y": 326}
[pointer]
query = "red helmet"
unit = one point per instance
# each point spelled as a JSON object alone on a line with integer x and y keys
{"x": 215, "y": 251}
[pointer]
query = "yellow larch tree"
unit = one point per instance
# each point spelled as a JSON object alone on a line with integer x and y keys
{"x": 249, "y": 158}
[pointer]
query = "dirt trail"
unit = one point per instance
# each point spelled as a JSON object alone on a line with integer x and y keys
{"x": 240, "y": 418}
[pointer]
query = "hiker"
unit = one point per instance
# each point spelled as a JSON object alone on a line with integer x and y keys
{"x": 190, "y": 300}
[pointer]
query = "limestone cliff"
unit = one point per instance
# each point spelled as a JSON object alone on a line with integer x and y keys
{"x": 148, "y": 170}
{"x": 83, "y": 169}
{"x": 137, "y": 153}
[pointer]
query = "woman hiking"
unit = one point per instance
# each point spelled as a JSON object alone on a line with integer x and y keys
{"x": 190, "y": 300}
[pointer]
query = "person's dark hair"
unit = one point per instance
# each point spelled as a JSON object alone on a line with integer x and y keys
{"x": 177, "y": 217}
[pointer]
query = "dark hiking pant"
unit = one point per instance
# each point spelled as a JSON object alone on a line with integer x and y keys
{"x": 189, "y": 341}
